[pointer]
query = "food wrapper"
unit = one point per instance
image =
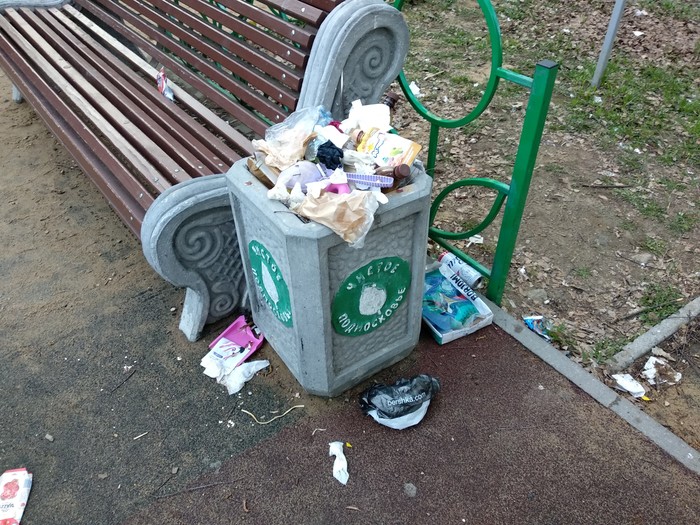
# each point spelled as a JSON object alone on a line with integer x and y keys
{"x": 163, "y": 85}
{"x": 285, "y": 143}
{"x": 451, "y": 309}
{"x": 350, "y": 215}
{"x": 225, "y": 360}
{"x": 387, "y": 149}
{"x": 14, "y": 492}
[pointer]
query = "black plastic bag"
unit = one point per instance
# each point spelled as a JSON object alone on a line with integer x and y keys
{"x": 402, "y": 404}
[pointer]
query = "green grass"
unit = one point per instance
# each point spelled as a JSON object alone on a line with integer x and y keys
{"x": 628, "y": 225}
{"x": 554, "y": 168}
{"x": 515, "y": 9}
{"x": 641, "y": 105}
{"x": 655, "y": 246}
{"x": 646, "y": 207}
{"x": 603, "y": 350}
{"x": 680, "y": 9}
{"x": 467, "y": 90}
{"x": 661, "y": 300}
{"x": 561, "y": 336}
{"x": 671, "y": 184}
{"x": 683, "y": 222}
{"x": 584, "y": 272}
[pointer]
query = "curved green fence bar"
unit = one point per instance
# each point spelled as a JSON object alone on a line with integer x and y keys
{"x": 509, "y": 197}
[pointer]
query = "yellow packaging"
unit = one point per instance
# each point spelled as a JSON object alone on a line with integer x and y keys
{"x": 388, "y": 149}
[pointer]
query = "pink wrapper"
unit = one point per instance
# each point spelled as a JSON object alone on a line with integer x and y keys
{"x": 14, "y": 492}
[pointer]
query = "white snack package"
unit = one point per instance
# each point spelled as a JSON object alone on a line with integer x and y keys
{"x": 15, "y": 485}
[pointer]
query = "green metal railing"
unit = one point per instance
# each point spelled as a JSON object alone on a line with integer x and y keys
{"x": 513, "y": 195}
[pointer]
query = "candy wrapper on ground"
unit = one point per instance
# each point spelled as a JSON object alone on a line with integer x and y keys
{"x": 402, "y": 404}
{"x": 229, "y": 351}
{"x": 451, "y": 309}
{"x": 539, "y": 324}
{"x": 14, "y": 492}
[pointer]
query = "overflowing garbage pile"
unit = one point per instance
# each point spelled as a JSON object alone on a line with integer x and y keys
{"x": 336, "y": 173}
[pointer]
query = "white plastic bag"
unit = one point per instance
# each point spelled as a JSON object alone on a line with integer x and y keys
{"x": 285, "y": 143}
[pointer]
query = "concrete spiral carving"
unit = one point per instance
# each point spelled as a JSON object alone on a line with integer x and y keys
{"x": 359, "y": 50}
{"x": 199, "y": 244}
{"x": 366, "y": 67}
{"x": 189, "y": 238}
{"x": 206, "y": 244}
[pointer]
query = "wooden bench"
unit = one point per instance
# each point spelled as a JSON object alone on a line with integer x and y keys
{"x": 236, "y": 67}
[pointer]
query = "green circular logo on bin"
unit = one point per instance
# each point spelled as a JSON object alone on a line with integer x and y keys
{"x": 370, "y": 295}
{"x": 270, "y": 282}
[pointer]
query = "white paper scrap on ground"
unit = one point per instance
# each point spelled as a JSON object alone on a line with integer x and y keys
{"x": 657, "y": 368}
{"x": 15, "y": 485}
{"x": 340, "y": 465}
{"x": 628, "y": 383}
{"x": 232, "y": 379}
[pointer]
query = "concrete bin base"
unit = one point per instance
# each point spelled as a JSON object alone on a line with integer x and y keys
{"x": 334, "y": 314}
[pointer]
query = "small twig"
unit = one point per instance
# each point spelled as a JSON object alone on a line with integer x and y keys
{"x": 689, "y": 361}
{"x": 433, "y": 75}
{"x": 270, "y": 420}
{"x": 640, "y": 264}
{"x": 606, "y": 186}
{"x": 125, "y": 380}
{"x": 245, "y": 506}
{"x": 140, "y": 436}
{"x": 639, "y": 311}
{"x": 163, "y": 484}
{"x": 191, "y": 489}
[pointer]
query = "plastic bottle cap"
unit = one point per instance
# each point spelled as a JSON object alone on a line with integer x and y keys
{"x": 356, "y": 135}
{"x": 402, "y": 171}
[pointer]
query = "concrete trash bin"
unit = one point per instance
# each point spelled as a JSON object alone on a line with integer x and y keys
{"x": 334, "y": 314}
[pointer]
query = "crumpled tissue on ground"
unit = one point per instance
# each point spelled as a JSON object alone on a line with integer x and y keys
{"x": 340, "y": 465}
{"x": 657, "y": 369}
{"x": 235, "y": 378}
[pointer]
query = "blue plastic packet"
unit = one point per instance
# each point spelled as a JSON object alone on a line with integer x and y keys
{"x": 539, "y": 325}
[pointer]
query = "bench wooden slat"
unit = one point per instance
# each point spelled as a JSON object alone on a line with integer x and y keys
{"x": 249, "y": 75}
{"x": 245, "y": 116}
{"x": 125, "y": 194}
{"x": 239, "y": 89}
{"x": 216, "y": 123}
{"x": 325, "y": 5}
{"x": 297, "y": 56}
{"x": 159, "y": 169}
{"x": 152, "y": 177}
{"x": 141, "y": 97}
{"x": 238, "y": 56}
{"x": 303, "y": 11}
{"x": 301, "y": 35}
{"x": 175, "y": 163}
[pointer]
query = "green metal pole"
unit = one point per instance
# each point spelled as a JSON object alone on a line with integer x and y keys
{"x": 432, "y": 148}
{"x": 533, "y": 125}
